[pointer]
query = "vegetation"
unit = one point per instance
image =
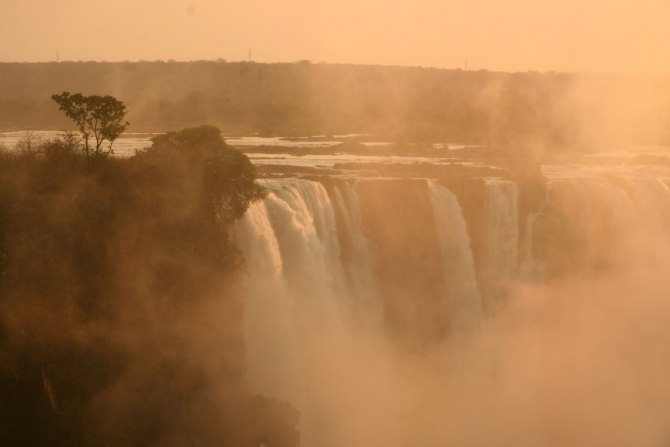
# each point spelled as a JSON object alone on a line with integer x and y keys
{"x": 120, "y": 317}
{"x": 228, "y": 175}
{"x": 98, "y": 116}
{"x": 553, "y": 110}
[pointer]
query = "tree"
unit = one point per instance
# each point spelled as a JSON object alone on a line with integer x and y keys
{"x": 227, "y": 175}
{"x": 135, "y": 246}
{"x": 100, "y": 117}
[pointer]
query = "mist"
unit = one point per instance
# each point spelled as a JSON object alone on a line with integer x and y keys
{"x": 568, "y": 36}
{"x": 573, "y": 354}
{"x": 334, "y": 224}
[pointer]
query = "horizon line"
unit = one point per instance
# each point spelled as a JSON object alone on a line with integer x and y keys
{"x": 311, "y": 62}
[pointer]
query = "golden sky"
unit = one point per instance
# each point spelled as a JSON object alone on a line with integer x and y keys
{"x": 510, "y": 35}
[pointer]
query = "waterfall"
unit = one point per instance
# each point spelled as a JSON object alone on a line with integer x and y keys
{"x": 528, "y": 266}
{"x": 273, "y": 364}
{"x": 301, "y": 282}
{"x": 303, "y": 219}
{"x": 464, "y": 301}
{"x": 330, "y": 259}
{"x": 594, "y": 224}
{"x": 359, "y": 264}
{"x": 501, "y": 239}
{"x": 295, "y": 289}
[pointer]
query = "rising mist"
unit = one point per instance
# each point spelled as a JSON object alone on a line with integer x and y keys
{"x": 431, "y": 252}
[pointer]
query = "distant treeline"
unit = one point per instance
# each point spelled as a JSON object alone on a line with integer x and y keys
{"x": 398, "y": 103}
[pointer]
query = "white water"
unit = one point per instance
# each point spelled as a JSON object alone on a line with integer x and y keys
{"x": 611, "y": 220}
{"x": 359, "y": 268}
{"x": 464, "y": 302}
{"x": 301, "y": 289}
{"x": 292, "y": 238}
{"x": 501, "y": 238}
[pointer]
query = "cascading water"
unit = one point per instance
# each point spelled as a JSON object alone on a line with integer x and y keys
{"x": 291, "y": 237}
{"x": 301, "y": 283}
{"x": 270, "y": 322}
{"x": 358, "y": 263}
{"x": 316, "y": 265}
{"x": 589, "y": 224}
{"x": 463, "y": 294}
{"x": 501, "y": 239}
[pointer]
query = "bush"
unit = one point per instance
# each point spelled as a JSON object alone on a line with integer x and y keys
{"x": 120, "y": 319}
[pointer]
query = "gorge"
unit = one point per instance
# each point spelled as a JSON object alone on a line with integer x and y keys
{"x": 363, "y": 285}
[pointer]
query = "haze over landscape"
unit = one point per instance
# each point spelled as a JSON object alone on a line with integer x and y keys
{"x": 575, "y": 36}
{"x": 334, "y": 223}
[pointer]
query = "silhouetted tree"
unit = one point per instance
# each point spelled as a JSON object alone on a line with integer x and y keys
{"x": 227, "y": 175}
{"x": 138, "y": 246}
{"x": 100, "y": 117}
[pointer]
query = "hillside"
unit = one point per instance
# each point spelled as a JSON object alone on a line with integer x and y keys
{"x": 397, "y": 103}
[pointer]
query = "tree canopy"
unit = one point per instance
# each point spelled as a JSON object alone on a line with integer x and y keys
{"x": 99, "y": 117}
{"x": 227, "y": 175}
{"x": 111, "y": 274}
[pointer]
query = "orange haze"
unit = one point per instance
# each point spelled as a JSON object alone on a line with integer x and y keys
{"x": 510, "y": 35}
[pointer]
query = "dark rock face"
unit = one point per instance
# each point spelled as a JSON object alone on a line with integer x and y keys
{"x": 399, "y": 222}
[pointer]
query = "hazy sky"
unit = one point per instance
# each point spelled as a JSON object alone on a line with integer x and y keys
{"x": 566, "y": 35}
